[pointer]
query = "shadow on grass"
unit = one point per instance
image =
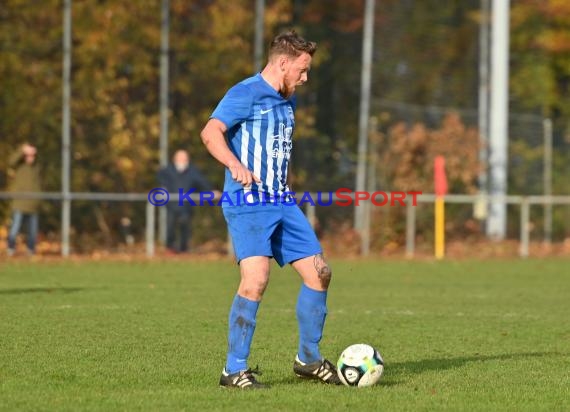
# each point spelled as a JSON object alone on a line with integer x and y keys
{"x": 397, "y": 373}
{"x": 426, "y": 365}
{"x": 21, "y": 291}
{"x": 293, "y": 380}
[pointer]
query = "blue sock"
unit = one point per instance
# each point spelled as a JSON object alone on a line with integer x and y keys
{"x": 311, "y": 314}
{"x": 242, "y": 326}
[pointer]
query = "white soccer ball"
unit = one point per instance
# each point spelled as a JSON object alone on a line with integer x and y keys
{"x": 360, "y": 365}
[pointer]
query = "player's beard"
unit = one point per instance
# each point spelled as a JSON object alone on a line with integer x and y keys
{"x": 286, "y": 91}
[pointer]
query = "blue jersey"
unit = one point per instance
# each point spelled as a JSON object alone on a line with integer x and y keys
{"x": 260, "y": 126}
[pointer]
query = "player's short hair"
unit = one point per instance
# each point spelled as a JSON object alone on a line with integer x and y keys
{"x": 291, "y": 44}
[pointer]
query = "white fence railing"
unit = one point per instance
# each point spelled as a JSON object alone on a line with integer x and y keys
{"x": 524, "y": 202}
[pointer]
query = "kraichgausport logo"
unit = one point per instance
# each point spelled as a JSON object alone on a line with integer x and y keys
{"x": 341, "y": 197}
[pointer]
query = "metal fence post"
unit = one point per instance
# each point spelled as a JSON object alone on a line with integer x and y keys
{"x": 547, "y": 179}
{"x": 230, "y": 246}
{"x": 311, "y": 214}
{"x": 525, "y": 215}
{"x": 66, "y": 130}
{"x": 365, "y": 231}
{"x": 150, "y": 224}
{"x": 410, "y": 229}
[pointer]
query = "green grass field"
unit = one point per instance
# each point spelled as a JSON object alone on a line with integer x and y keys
{"x": 150, "y": 336}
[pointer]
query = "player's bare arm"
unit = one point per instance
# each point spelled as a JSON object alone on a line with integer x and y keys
{"x": 213, "y": 138}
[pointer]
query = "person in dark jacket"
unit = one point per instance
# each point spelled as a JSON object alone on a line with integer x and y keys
{"x": 181, "y": 174}
{"x": 26, "y": 178}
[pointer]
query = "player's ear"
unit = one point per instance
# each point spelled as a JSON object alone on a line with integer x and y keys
{"x": 283, "y": 60}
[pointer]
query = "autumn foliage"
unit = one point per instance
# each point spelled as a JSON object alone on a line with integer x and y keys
{"x": 425, "y": 54}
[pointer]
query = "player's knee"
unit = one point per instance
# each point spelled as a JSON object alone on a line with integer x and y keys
{"x": 253, "y": 290}
{"x": 260, "y": 286}
{"x": 325, "y": 275}
{"x": 323, "y": 269}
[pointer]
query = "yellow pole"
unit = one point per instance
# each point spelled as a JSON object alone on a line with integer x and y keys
{"x": 439, "y": 227}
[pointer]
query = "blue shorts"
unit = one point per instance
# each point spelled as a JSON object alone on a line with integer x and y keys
{"x": 277, "y": 230}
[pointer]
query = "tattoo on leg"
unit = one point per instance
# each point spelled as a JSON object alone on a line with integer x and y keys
{"x": 323, "y": 270}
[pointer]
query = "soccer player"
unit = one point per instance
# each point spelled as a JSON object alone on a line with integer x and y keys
{"x": 257, "y": 116}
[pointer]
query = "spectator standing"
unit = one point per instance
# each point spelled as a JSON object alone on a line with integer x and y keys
{"x": 26, "y": 179}
{"x": 181, "y": 174}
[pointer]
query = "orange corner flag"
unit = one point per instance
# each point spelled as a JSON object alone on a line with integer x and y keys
{"x": 440, "y": 180}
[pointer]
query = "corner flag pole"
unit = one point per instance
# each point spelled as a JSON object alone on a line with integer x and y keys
{"x": 440, "y": 182}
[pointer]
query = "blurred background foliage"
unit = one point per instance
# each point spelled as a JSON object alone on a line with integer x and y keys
{"x": 424, "y": 89}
